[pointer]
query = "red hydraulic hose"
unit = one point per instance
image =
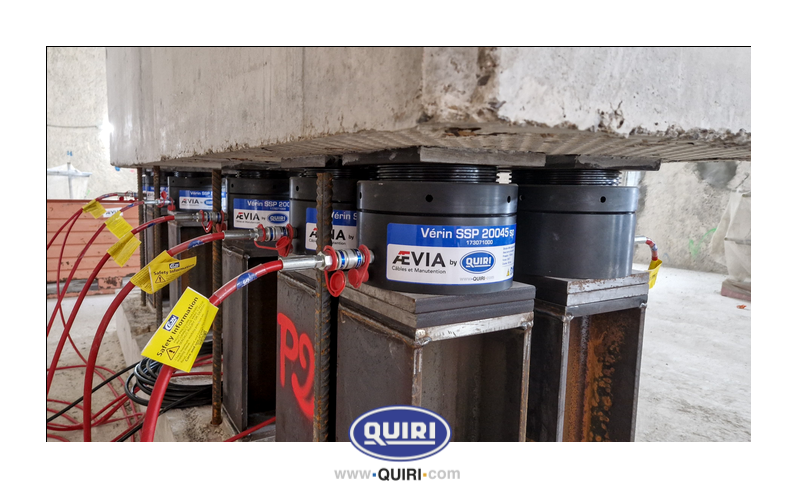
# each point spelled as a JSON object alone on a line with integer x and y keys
{"x": 84, "y": 291}
{"x": 101, "y": 329}
{"x": 75, "y": 269}
{"x": 58, "y": 273}
{"x": 157, "y": 396}
{"x": 251, "y": 430}
{"x": 72, "y": 218}
{"x": 653, "y": 249}
{"x": 78, "y": 214}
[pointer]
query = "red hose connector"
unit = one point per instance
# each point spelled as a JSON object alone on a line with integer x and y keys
{"x": 283, "y": 234}
{"x": 167, "y": 199}
{"x": 650, "y": 243}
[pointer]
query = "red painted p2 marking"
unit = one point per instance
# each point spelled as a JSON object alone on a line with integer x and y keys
{"x": 302, "y": 349}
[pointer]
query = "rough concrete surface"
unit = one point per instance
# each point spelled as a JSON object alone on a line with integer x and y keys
{"x": 624, "y": 90}
{"x": 211, "y": 106}
{"x": 77, "y": 110}
{"x": 695, "y": 375}
{"x": 680, "y": 207}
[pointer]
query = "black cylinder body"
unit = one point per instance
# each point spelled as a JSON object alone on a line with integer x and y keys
{"x": 257, "y": 197}
{"x": 190, "y": 191}
{"x": 574, "y": 224}
{"x": 451, "y": 236}
{"x": 303, "y": 192}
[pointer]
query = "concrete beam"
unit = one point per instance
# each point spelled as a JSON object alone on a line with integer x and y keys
{"x": 231, "y": 105}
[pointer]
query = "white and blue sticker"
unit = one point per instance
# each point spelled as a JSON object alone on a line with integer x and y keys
{"x": 450, "y": 255}
{"x": 194, "y": 200}
{"x": 224, "y": 199}
{"x": 343, "y": 230}
{"x": 245, "y": 279}
{"x": 248, "y": 213}
{"x": 148, "y": 192}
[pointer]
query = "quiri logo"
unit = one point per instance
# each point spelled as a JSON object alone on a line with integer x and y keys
{"x": 280, "y": 218}
{"x": 171, "y": 322}
{"x": 400, "y": 433}
{"x": 477, "y": 262}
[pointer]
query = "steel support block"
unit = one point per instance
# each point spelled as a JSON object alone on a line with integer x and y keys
{"x": 463, "y": 357}
{"x": 586, "y": 349}
{"x": 249, "y": 352}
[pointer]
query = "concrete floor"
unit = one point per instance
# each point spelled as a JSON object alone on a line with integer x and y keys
{"x": 695, "y": 375}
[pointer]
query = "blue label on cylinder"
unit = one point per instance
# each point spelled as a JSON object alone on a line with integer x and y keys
{"x": 343, "y": 231}
{"x": 248, "y": 213}
{"x": 450, "y": 255}
{"x": 194, "y": 200}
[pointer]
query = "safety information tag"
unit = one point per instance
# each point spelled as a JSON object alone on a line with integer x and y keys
{"x": 450, "y": 255}
{"x": 343, "y": 233}
{"x": 248, "y": 213}
{"x": 177, "y": 341}
{"x": 94, "y": 208}
{"x": 123, "y": 249}
{"x": 118, "y": 225}
{"x": 194, "y": 200}
{"x": 653, "y": 269}
{"x": 161, "y": 271}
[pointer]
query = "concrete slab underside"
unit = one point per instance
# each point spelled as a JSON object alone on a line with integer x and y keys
{"x": 222, "y": 107}
{"x": 695, "y": 376}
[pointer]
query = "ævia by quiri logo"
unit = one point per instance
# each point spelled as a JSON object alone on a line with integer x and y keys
{"x": 400, "y": 433}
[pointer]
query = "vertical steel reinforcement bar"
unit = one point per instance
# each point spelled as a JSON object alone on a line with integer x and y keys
{"x": 216, "y": 327}
{"x": 322, "y": 312}
{"x": 157, "y": 231}
{"x": 140, "y": 196}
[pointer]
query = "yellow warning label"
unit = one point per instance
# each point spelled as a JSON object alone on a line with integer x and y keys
{"x": 94, "y": 208}
{"x": 653, "y": 269}
{"x": 117, "y": 225}
{"x": 161, "y": 271}
{"x": 123, "y": 249}
{"x": 168, "y": 270}
{"x": 177, "y": 341}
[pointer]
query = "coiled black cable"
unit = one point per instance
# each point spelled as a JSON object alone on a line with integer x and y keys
{"x": 144, "y": 377}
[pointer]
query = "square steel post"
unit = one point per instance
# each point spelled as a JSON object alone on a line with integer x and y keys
{"x": 585, "y": 358}
{"x": 249, "y": 330}
{"x": 463, "y": 357}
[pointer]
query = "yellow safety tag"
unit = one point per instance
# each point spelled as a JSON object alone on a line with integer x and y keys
{"x": 653, "y": 269}
{"x": 123, "y": 249}
{"x": 94, "y": 208}
{"x": 142, "y": 278}
{"x": 117, "y": 225}
{"x": 177, "y": 341}
{"x": 161, "y": 271}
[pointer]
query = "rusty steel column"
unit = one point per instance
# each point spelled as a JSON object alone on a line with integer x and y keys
{"x": 216, "y": 327}
{"x": 140, "y": 196}
{"x": 322, "y": 311}
{"x": 157, "y": 231}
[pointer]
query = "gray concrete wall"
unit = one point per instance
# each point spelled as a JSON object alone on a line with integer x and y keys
{"x": 680, "y": 207}
{"x": 264, "y": 104}
{"x": 76, "y": 112}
